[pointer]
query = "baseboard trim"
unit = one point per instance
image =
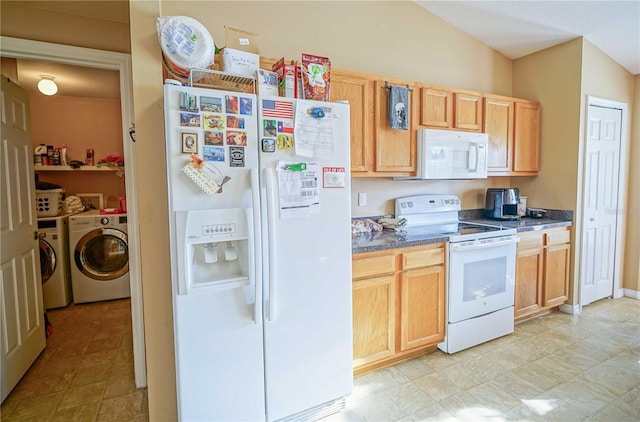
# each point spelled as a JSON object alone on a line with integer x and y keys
{"x": 634, "y": 294}
{"x": 571, "y": 309}
{"x": 618, "y": 293}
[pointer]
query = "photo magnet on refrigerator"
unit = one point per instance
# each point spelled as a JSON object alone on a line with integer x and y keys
{"x": 236, "y": 156}
{"x": 268, "y": 145}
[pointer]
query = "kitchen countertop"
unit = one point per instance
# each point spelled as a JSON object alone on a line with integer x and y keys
{"x": 387, "y": 239}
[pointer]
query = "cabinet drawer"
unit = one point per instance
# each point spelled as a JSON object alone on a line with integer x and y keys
{"x": 530, "y": 240}
{"x": 366, "y": 267}
{"x": 423, "y": 258}
{"x": 556, "y": 237}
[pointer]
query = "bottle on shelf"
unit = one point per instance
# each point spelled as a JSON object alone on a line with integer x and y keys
{"x": 63, "y": 155}
{"x": 90, "y": 157}
{"x": 38, "y": 152}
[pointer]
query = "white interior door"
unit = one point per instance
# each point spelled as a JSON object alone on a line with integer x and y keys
{"x": 21, "y": 305}
{"x": 601, "y": 179}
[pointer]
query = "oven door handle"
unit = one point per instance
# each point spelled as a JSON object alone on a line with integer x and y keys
{"x": 459, "y": 247}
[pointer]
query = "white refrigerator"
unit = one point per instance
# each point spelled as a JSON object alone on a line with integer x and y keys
{"x": 259, "y": 197}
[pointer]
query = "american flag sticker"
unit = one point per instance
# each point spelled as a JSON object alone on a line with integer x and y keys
{"x": 279, "y": 109}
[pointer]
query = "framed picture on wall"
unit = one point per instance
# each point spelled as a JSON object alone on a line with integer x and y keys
{"x": 91, "y": 201}
{"x": 189, "y": 142}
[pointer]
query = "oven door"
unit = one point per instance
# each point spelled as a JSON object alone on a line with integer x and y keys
{"x": 481, "y": 276}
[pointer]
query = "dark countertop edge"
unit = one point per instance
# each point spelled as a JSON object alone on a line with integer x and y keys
{"x": 544, "y": 225}
{"x": 399, "y": 244}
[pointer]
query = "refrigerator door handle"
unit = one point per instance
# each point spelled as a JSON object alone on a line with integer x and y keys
{"x": 255, "y": 199}
{"x": 271, "y": 224}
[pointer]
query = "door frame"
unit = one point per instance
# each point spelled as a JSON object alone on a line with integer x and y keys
{"x": 623, "y": 177}
{"x": 121, "y": 62}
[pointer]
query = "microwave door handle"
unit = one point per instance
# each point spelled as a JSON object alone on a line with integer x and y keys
{"x": 473, "y": 158}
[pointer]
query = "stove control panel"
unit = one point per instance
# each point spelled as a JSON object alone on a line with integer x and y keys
{"x": 420, "y": 204}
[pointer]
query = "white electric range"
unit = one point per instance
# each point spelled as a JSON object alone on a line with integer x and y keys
{"x": 480, "y": 269}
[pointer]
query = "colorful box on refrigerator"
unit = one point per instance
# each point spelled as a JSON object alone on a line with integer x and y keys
{"x": 289, "y": 79}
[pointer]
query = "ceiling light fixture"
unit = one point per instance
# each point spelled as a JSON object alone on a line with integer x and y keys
{"x": 47, "y": 86}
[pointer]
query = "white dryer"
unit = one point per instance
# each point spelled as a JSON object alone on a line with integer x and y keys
{"x": 54, "y": 261}
{"x": 99, "y": 254}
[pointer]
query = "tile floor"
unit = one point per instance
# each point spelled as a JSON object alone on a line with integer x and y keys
{"x": 553, "y": 368}
{"x": 86, "y": 371}
{"x": 557, "y": 367}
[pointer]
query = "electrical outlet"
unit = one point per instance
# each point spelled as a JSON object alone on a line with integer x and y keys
{"x": 362, "y": 199}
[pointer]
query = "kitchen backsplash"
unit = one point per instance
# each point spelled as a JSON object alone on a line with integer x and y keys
{"x": 381, "y": 193}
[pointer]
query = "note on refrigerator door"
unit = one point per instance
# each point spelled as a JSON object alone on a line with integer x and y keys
{"x": 314, "y": 130}
{"x": 298, "y": 187}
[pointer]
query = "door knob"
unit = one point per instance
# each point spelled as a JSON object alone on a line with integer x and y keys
{"x": 37, "y": 235}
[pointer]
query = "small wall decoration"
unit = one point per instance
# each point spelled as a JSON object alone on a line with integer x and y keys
{"x": 189, "y": 142}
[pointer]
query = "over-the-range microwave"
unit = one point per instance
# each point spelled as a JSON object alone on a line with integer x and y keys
{"x": 449, "y": 154}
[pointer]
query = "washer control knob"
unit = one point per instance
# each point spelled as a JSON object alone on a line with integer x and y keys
{"x": 104, "y": 221}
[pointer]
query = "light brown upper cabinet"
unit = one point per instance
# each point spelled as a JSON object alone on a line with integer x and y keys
{"x": 395, "y": 149}
{"x": 436, "y": 107}
{"x": 513, "y": 126}
{"x": 498, "y": 124}
{"x": 449, "y": 109}
{"x": 467, "y": 111}
{"x": 358, "y": 91}
{"x": 526, "y": 138}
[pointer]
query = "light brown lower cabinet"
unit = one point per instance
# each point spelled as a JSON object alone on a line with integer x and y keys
{"x": 542, "y": 271}
{"x": 398, "y": 305}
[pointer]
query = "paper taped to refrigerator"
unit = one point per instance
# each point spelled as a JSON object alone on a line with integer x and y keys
{"x": 313, "y": 130}
{"x": 298, "y": 187}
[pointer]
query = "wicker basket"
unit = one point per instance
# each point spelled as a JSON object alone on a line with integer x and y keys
{"x": 49, "y": 202}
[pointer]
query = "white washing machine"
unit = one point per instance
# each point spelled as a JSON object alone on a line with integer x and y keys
{"x": 54, "y": 261}
{"x": 99, "y": 256}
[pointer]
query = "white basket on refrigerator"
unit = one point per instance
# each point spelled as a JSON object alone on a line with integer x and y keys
{"x": 49, "y": 202}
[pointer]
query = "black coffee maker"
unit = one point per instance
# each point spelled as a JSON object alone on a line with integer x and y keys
{"x": 502, "y": 204}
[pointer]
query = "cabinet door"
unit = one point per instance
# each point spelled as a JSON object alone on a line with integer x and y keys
{"x": 422, "y": 307}
{"x": 556, "y": 275}
{"x": 358, "y": 91}
{"x": 436, "y": 108}
{"x": 373, "y": 319}
{"x": 526, "y": 138}
{"x": 498, "y": 124}
{"x": 467, "y": 111}
{"x": 529, "y": 273}
{"x": 395, "y": 150}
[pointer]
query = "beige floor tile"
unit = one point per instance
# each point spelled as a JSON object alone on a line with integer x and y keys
{"x": 619, "y": 379}
{"x": 86, "y": 394}
{"x": 493, "y": 397}
{"x": 121, "y": 407}
{"x": 432, "y": 413}
{"x": 588, "y": 398}
{"x": 416, "y": 368}
{"x": 120, "y": 386}
{"x": 516, "y": 386}
{"x": 409, "y": 398}
{"x": 438, "y": 386}
{"x": 35, "y": 408}
{"x": 98, "y": 358}
{"x": 541, "y": 377}
{"x": 630, "y": 403}
{"x": 381, "y": 380}
{"x": 91, "y": 375}
{"x": 42, "y": 386}
{"x": 83, "y": 413}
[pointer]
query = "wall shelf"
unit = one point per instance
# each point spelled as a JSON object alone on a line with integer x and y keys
{"x": 38, "y": 167}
